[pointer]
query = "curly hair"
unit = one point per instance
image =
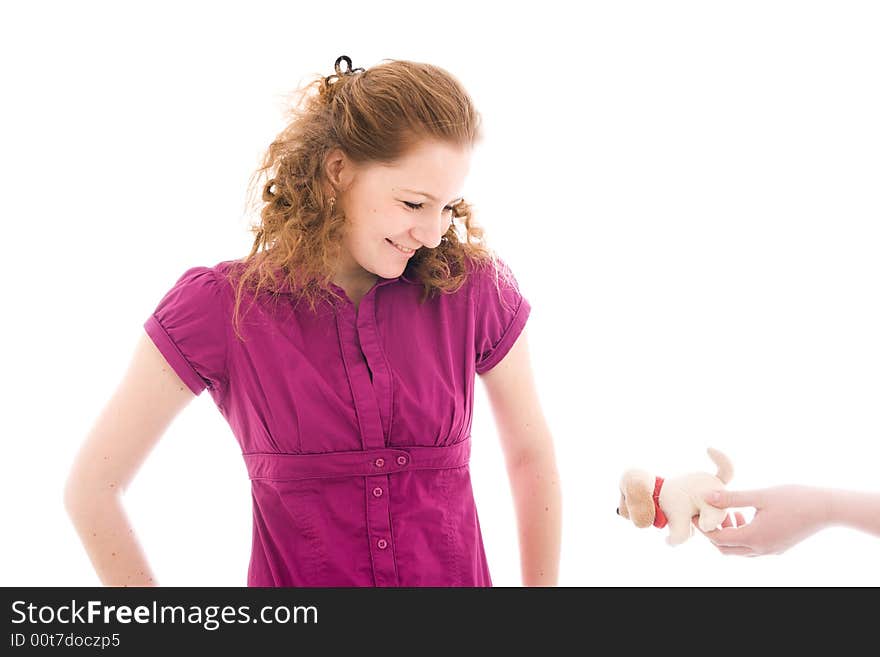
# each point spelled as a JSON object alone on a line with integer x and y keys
{"x": 373, "y": 115}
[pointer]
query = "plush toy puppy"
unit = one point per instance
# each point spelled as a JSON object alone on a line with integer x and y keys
{"x": 649, "y": 500}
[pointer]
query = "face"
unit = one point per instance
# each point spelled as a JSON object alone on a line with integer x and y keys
{"x": 408, "y": 204}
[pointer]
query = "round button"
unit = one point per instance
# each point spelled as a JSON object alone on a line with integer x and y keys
{"x": 401, "y": 460}
{"x": 379, "y": 462}
{"x": 382, "y": 543}
{"x": 377, "y": 491}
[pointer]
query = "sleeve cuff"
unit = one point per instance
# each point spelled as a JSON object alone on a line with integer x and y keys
{"x": 173, "y": 355}
{"x": 508, "y": 339}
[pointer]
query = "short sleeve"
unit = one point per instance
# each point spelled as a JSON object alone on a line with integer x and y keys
{"x": 500, "y": 314}
{"x": 189, "y": 329}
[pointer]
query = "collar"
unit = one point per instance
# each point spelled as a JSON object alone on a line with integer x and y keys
{"x": 405, "y": 276}
{"x": 283, "y": 284}
{"x": 659, "y": 517}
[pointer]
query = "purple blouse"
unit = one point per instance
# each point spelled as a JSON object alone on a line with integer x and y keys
{"x": 354, "y": 423}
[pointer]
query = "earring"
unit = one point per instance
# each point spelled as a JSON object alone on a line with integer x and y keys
{"x": 332, "y": 203}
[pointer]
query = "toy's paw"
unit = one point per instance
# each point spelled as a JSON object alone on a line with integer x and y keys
{"x": 707, "y": 524}
{"x": 674, "y": 539}
{"x": 710, "y": 518}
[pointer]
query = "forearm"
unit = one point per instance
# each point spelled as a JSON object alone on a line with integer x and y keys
{"x": 855, "y": 509}
{"x": 538, "y": 501}
{"x": 108, "y": 538}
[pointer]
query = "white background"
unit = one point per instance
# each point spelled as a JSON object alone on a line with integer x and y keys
{"x": 686, "y": 191}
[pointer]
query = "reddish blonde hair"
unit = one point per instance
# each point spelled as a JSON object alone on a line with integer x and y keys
{"x": 375, "y": 115}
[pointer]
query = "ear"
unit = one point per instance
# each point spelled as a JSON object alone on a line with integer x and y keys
{"x": 638, "y": 502}
{"x": 338, "y": 169}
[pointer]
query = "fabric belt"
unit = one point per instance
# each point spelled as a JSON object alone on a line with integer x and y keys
{"x": 279, "y": 466}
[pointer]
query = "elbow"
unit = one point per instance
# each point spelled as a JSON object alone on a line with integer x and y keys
{"x": 529, "y": 447}
{"x": 73, "y": 495}
{"x": 533, "y": 458}
{"x": 84, "y": 495}
{"x": 523, "y": 458}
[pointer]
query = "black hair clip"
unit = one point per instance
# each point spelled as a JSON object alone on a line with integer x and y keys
{"x": 349, "y": 70}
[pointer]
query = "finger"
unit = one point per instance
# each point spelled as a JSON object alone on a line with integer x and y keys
{"x": 726, "y": 524}
{"x": 740, "y": 520}
{"x": 730, "y": 536}
{"x": 725, "y": 499}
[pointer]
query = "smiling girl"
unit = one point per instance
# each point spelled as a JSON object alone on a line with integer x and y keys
{"x": 354, "y": 410}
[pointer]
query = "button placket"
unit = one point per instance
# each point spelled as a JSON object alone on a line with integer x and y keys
{"x": 371, "y": 386}
{"x": 374, "y": 355}
{"x": 377, "y": 486}
{"x": 379, "y": 530}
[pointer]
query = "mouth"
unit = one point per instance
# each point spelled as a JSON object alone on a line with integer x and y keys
{"x": 400, "y": 249}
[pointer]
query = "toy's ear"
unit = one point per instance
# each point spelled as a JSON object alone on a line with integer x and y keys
{"x": 638, "y": 502}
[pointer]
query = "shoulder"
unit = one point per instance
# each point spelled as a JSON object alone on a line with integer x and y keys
{"x": 500, "y": 312}
{"x": 493, "y": 280}
{"x": 189, "y": 325}
{"x": 219, "y": 280}
{"x": 198, "y": 284}
{"x": 490, "y": 269}
{"x": 200, "y": 293}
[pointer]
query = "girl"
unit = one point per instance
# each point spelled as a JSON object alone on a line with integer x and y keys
{"x": 342, "y": 351}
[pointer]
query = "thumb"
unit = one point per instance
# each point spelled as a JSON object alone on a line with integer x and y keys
{"x": 724, "y": 499}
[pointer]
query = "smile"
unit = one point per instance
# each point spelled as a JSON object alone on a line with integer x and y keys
{"x": 400, "y": 248}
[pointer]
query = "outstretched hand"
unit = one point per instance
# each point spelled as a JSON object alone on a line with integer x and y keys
{"x": 784, "y": 516}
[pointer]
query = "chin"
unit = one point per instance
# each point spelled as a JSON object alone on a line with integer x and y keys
{"x": 391, "y": 271}
{"x": 391, "y": 267}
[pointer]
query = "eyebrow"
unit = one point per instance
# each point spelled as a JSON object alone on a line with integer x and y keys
{"x": 433, "y": 198}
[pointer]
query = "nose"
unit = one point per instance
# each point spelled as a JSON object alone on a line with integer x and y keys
{"x": 430, "y": 230}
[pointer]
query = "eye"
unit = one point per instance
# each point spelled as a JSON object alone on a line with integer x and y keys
{"x": 418, "y": 206}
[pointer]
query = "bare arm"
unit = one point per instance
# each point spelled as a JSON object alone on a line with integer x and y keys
{"x": 855, "y": 509}
{"x": 786, "y": 515}
{"x": 531, "y": 463}
{"x": 149, "y": 396}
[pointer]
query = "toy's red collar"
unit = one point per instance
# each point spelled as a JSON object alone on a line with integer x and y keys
{"x": 659, "y": 516}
